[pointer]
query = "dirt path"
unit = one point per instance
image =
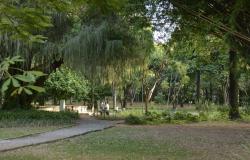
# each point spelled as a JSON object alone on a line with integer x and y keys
{"x": 86, "y": 125}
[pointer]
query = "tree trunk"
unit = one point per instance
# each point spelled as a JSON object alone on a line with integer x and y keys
{"x": 148, "y": 94}
{"x": 169, "y": 89}
{"x": 124, "y": 101}
{"x": 92, "y": 100}
{"x": 55, "y": 101}
{"x": 225, "y": 94}
{"x": 211, "y": 91}
{"x": 198, "y": 84}
{"x": 233, "y": 86}
{"x": 1, "y": 100}
{"x": 114, "y": 95}
{"x": 142, "y": 93}
{"x": 146, "y": 103}
{"x": 62, "y": 105}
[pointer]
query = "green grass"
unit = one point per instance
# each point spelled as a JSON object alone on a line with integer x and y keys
{"x": 16, "y": 132}
{"x": 113, "y": 144}
{"x": 165, "y": 142}
{"x": 19, "y": 123}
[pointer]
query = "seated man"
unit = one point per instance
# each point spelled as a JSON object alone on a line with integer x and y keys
{"x": 107, "y": 108}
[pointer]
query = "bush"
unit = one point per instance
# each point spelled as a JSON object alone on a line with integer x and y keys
{"x": 193, "y": 117}
{"x": 160, "y": 98}
{"x": 180, "y": 116}
{"x": 167, "y": 116}
{"x": 223, "y": 109}
{"x": 215, "y": 116}
{"x": 152, "y": 116}
{"x": 203, "y": 116}
{"x": 131, "y": 119}
{"x": 36, "y": 118}
{"x": 246, "y": 110}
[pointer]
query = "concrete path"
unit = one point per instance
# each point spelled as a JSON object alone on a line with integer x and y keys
{"x": 86, "y": 125}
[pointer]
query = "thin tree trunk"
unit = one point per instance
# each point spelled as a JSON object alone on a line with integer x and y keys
{"x": 114, "y": 95}
{"x": 148, "y": 95}
{"x": 62, "y": 105}
{"x": 225, "y": 93}
{"x": 146, "y": 105}
{"x": 211, "y": 91}
{"x": 169, "y": 90}
{"x": 233, "y": 86}
{"x": 198, "y": 83}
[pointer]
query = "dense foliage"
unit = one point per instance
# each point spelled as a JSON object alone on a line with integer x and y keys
{"x": 203, "y": 59}
{"x": 65, "y": 83}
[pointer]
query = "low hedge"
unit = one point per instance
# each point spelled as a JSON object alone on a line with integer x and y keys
{"x": 164, "y": 117}
{"x": 36, "y": 118}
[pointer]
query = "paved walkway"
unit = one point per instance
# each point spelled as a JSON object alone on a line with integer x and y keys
{"x": 86, "y": 125}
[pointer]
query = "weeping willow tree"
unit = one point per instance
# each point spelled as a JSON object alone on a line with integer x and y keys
{"x": 36, "y": 30}
{"x": 32, "y": 30}
{"x": 105, "y": 51}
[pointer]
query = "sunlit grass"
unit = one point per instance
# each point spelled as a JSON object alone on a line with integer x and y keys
{"x": 16, "y": 132}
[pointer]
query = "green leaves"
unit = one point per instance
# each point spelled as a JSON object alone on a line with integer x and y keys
{"x": 65, "y": 83}
{"x": 25, "y": 78}
{"x": 26, "y": 19}
{"x": 36, "y": 88}
{"x": 5, "y": 85}
{"x": 4, "y": 66}
{"x": 23, "y": 82}
{"x": 15, "y": 82}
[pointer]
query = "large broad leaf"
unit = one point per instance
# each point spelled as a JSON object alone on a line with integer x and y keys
{"x": 17, "y": 59}
{"x": 20, "y": 90}
{"x": 37, "y": 73}
{"x": 36, "y": 88}
{"x": 31, "y": 77}
{"x": 15, "y": 92}
{"x": 5, "y": 85}
{"x": 15, "y": 82}
{"x": 27, "y": 91}
{"x": 24, "y": 78}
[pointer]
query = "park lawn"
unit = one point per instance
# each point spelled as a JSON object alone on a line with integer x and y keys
{"x": 18, "y": 123}
{"x": 15, "y": 132}
{"x": 204, "y": 141}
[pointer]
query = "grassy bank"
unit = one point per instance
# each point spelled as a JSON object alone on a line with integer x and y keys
{"x": 19, "y": 123}
{"x": 163, "y": 142}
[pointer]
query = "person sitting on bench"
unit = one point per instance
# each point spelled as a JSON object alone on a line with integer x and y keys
{"x": 106, "y": 110}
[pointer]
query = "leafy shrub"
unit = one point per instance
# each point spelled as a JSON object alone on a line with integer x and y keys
{"x": 152, "y": 116}
{"x": 167, "y": 116}
{"x": 215, "y": 116}
{"x": 246, "y": 110}
{"x": 131, "y": 119}
{"x": 160, "y": 98}
{"x": 180, "y": 116}
{"x": 223, "y": 109}
{"x": 193, "y": 117}
{"x": 36, "y": 118}
{"x": 203, "y": 116}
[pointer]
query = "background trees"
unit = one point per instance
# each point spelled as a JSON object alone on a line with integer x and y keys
{"x": 111, "y": 44}
{"x": 64, "y": 84}
{"x": 208, "y": 17}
